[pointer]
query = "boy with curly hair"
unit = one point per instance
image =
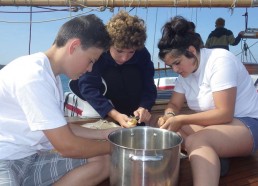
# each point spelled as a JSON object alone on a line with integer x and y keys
{"x": 127, "y": 70}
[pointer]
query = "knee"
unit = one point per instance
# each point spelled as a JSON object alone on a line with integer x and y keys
{"x": 188, "y": 143}
{"x": 105, "y": 164}
{"x": 194, "y": 141}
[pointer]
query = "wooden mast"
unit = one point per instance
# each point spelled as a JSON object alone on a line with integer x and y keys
{"x": 133, "y": 3}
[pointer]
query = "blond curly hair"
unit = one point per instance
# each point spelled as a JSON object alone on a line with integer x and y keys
{"x": 126, "y": 31}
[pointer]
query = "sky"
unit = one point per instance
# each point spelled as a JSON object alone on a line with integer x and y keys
{"x": 18, "y": 37}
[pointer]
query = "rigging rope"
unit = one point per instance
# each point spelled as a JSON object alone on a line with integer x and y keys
{"x": 175, "y": 3}
{"x": 154, "y": 34}
{"x": 30, "y": 28}
{"x": 73, "y": 9}
{"x": 246, "y": 48}
{"x": 234, "y": 4}
{"x": 146, "y": 3}
{"x": 246, "y": 19}
{"x": 70, "y": 8}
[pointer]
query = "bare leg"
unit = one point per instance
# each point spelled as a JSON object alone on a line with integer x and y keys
{"x": 92, "y": 173}
{"x": 187, "y": 130}
{"x": 208, "y": 167}
{"x": 206, "y": 146}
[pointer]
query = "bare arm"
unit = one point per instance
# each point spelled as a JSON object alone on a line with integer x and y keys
{"x": 175, "y": 104}
{"x": 223, "y": 113}
{"x": 91, "y": 133}
{"x": 70, "y": 145}
{"x": 122, "y": 119}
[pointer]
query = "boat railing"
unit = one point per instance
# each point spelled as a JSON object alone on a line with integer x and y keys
{"x": 252, "y": 68}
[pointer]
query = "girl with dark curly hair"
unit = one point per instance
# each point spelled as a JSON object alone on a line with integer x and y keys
{"x": 218, "y": 88}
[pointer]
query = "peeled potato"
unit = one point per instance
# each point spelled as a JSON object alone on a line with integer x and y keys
{"x": 132, "y": 122}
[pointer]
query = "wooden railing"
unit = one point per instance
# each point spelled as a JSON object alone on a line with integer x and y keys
{"x": 252, "y": 68}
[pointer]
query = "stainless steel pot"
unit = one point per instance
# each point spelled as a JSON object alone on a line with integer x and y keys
{"x": 144, "y": 156}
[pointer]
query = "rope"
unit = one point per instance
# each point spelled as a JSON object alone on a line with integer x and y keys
{"x": 70, "y": 7}
{"x": 246, "y": 19}
{"x": 252, "y": 3}
{"x": 146, "y": 3}
{"x": 234, "y": 4}
{"x": 147, "y": 12}
{"x": 155, "y": 33}
{"x": 106, "y": 3}
{"x": 50, "y": 20}
{"x": 139, "y": 3}
{"x": 201, "y": 2}
{"x": 30, "y": 28}
{"x": 246, "y": 48}
{"x": 112, "y": 8}
{"x": 196, "y": 25}
{"x": 175, "y": 3}
{"x": 192, "y": 15}
{"x": 131, "y": 3}
{"x": 48, "y": 10}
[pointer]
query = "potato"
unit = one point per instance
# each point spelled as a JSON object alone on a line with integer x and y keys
{"x": 132, "y": 121}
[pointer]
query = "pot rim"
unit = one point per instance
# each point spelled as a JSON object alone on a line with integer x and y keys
{"x": 144, "y": 127}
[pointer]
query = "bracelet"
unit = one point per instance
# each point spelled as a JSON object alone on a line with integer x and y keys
{"x": 170, "y": 113}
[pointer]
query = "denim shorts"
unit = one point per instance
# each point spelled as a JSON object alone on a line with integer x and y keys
{"x": 42, "y": 169}
{"x": 252, "y": 124}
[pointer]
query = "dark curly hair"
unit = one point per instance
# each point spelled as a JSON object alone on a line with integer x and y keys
{"x": 176, "y": 38}
{"x": 127, "y": 31}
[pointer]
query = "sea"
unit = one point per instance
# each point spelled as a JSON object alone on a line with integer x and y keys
{"x": 158, "y": 74}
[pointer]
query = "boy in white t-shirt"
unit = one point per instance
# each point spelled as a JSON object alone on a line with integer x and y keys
{"x": 31, "y": 113}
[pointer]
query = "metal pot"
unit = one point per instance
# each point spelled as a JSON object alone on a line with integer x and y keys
{"x": 144, "y": 156}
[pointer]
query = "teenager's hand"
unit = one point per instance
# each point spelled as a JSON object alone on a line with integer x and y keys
{"x": 143, "y": 115}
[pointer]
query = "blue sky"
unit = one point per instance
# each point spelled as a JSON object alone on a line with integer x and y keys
{"x": 15, "y": 27}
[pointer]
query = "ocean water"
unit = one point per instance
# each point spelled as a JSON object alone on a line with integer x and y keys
{"x": 65, "y": 81}
{"x": 161, "y": 73}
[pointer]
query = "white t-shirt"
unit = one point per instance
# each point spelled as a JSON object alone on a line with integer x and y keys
{"x": 219, "y": 70}
{"x": 31, "y": 100}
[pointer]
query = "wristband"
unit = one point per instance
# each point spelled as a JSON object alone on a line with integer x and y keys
{"x": 170, "y": 113}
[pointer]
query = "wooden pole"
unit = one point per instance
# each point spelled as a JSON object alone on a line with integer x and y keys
{"x": 133, "y": 3}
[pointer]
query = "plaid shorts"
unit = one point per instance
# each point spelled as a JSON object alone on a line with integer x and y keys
{"x": 40, "y": 169}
